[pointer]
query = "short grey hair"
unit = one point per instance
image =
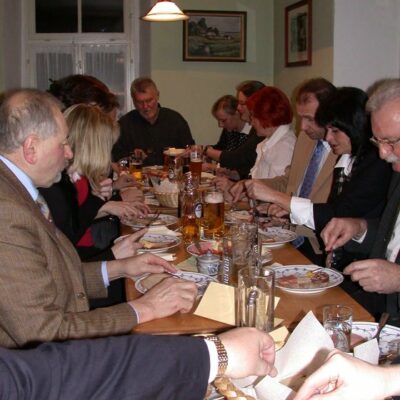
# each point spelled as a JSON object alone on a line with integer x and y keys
{"x": 141, "y": 85}
{"x": 228, "y": 103}
{"x": 385, "y": 91}
{"x": 26, "y": 111}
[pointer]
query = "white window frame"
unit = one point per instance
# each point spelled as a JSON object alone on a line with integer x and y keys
{"x": 30, "y": 40}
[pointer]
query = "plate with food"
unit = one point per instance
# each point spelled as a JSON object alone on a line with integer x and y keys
{"x": 154, "y": 242}
{"x": 162, "y": 219}
{"x": 306, "y": 278}
{"x": 275, "y": 236}
{"x": 364, "y": 331}
{"x": 205, "y": 247}
{"x": 146, "y": 282}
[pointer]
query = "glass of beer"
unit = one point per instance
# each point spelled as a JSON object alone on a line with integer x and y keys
{"x": 136, "y": 165}
{"x": 213, "y": 214}
{"x": 196, "y": 160}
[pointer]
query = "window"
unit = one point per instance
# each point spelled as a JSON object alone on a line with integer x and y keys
{"x": 81, "y": 37}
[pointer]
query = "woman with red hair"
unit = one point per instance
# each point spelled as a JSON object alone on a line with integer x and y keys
{"x": 271, "y": 117}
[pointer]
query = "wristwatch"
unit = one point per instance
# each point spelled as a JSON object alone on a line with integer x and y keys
{"x": 222, "y": 354}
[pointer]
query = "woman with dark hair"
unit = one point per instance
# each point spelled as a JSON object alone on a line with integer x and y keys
{"x": 361, "y": 178}
{"x": 271, "y": 116}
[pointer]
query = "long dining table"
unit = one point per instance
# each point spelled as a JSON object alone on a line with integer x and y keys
{"x": 292, "y": 307}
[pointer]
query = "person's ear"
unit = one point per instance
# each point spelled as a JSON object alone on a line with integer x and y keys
{"x": 30, "y": 148}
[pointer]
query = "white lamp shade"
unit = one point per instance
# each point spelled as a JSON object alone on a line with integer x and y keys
{"x": 164, "y": 11}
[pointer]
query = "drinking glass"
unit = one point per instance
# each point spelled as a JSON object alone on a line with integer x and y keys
{"x": 255, "y": 298}
{"x": 213, "y": 214}
{"x": 337, "y": 320}
{"x": 136, "y": 165}
{"x": 196, "y": 160}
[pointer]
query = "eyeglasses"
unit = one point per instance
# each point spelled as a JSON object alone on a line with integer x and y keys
{"x": 382, "y": 142}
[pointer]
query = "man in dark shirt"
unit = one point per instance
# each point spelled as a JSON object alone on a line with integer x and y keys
{"x": 243, "y": 158}
{"x": 150, "y": 128}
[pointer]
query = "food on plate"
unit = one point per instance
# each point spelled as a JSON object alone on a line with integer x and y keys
{"x": 147, "y": 220}
{"x": 308, "y": 280}
{"x": 148, "y": 244}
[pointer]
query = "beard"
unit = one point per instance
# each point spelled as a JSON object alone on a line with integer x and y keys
{"x": 392, "y": 158}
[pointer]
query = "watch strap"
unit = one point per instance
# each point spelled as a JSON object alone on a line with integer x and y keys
{"x": 222, "y": 354}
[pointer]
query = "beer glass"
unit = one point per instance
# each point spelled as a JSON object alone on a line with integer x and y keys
{"x": 255, "y": 298}
{"x": 136, "y": 165}
{"x": 196, "y": 160}
{"x": 213, "y": 214}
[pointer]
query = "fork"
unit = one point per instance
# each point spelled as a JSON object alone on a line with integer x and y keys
{"x": 152, "y": 219}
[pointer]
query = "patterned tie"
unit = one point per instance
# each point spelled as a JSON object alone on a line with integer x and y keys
{"x": 44, "y": 208}
{"x": 312, "y": 170}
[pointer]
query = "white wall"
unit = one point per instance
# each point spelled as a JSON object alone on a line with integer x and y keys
{"x": 366, "y": 41}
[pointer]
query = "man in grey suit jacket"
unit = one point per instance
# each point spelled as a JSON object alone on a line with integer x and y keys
{"x": 45, "y": 287}
{"x": 380, "y": 274}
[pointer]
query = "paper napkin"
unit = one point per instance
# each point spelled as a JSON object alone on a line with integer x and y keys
{"x": 304, "y": 352}
{"x": 218, "y": 303}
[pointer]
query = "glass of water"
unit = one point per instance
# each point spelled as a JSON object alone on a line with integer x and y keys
{"x": 337, "y": 320}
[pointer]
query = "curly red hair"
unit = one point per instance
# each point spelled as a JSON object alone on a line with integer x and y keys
{"x": 271, "y": 107}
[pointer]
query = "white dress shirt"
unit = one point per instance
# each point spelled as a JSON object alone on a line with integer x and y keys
{"x": 274, "y": 154}
{"x": 302, "y": 210}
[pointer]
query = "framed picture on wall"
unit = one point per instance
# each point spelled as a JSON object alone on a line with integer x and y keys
{"x": 214, "y": 36}
{"x": 298, "y": 33}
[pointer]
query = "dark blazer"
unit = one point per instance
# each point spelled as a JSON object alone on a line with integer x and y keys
{"x": 133, "y": 367}
{"x": 73, "y": 220}
{"x": 374, "y": 246}
{"x": 364, "y": 195}
{"x": 44, "y": 285}
{"x": 243, "y": 158}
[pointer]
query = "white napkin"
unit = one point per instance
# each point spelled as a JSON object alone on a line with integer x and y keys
{"x": 304, "y": 352}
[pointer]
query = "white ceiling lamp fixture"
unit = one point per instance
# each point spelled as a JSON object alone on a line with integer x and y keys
{"x": 165, "y": 11}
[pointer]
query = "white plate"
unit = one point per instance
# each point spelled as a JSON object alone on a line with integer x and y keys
{"x": 335, "y": 278}
{"x": 279, "y": 236}
{"x": 201, "y": 280}
{"x": 367, "y": 330}
{"x": 170, "y": 241}
{"x": 205, "y": 246}
{"x": 163, "y": 219}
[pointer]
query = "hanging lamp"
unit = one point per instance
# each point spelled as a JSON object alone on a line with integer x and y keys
{"x": 164, "y": 11}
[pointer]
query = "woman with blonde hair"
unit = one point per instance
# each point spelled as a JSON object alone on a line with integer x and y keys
{"x": 76, "y": 201}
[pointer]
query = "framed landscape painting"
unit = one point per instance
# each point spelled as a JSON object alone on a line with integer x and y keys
{"x": 298, "y": 34}
{"x": 214, "y": 36}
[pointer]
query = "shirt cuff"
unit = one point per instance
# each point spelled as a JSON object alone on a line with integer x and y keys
{"x": 302, "y": 212}
{"x": 136, "y": 313}
{"x": 360, "y": 238}
{"x": 104, "y": 274}
{"x": 212, "y": 351}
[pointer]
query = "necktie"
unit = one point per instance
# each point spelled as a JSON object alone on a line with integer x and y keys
{"x": 44, "y": 208}
{"x": 312, "y": 170}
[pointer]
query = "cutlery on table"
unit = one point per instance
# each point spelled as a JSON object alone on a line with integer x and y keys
{"x": 152, "y": 219}
{"x": 382, "y": 322}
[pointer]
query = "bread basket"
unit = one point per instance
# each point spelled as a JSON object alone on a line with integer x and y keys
{"x": 167, "y": 199}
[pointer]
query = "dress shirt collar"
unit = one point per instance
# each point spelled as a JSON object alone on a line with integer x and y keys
{"x": 281, "y": 131}
{"x": 22, "y": 177}
{"x": 346, "y": 162}
{"x": 246, "y": 129}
